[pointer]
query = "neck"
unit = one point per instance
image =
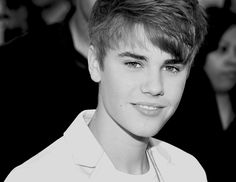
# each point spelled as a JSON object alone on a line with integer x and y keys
{"x": 56, "y": 12}
{"x": 225, "y": 109}
{"x": 127, "y": 152}
{"x": 79, "y": 29}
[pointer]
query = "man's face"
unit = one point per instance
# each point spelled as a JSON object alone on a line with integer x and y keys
{"x": 140, "y": 86}
{"x": 221, "y": 64}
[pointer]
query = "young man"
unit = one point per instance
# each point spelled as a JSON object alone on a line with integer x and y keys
{"x": 140, "y": 54}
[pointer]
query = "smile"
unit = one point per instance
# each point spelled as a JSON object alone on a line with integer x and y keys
{"x": 148, "y": 109}
{"x": 151, "y": 108}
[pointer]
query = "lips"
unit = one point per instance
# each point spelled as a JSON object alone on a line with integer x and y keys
{"x": 149, "y": 109}
{"x": 230, "y": 75}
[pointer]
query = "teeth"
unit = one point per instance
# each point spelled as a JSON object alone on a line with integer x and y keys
{"x": 148, "y": 107}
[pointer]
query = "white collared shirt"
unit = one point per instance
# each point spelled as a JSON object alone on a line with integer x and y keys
{"x": 78, "y": 157}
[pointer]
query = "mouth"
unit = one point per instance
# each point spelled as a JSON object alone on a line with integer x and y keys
{"x": 148, "y": 109}
{"x": 230, "y": 75}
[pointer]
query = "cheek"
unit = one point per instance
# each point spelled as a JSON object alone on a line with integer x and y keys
{"x": 115, "y": 87}
{"x": 212, "y": 66}
{"x": 177, "y": 94}
{"x": 174, "y": 90}
{"x": 86, "y": 6}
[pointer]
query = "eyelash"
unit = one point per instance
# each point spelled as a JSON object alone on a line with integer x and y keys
{"x": 169, "y": 68}
{"x": 133, "y": 64}
{"x": 172, "y": 69}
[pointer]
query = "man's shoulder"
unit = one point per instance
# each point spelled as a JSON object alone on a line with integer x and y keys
{"x": 172, "y": 153}
{"x": 176, "y": 161}
{"x": 169, "y": 152}
{"x": 44, "y": 166}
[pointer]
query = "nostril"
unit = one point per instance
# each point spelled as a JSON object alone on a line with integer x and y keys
{"x": 153, "y": 89}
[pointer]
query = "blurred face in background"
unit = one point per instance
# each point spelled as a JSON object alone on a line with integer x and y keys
{"x": 207, "y": 3}
{"x": 233, "y": 6}
{"x": 13, "y": 19}
{"x": 42, "y": 3}
{"x": 221, "y": 64}
{"x": 85, "y": 7}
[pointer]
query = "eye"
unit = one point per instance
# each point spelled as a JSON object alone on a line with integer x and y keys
{"x": 133, "y": 64}
{"x": 222, "y": 49}
{"x": 173, "y": 69}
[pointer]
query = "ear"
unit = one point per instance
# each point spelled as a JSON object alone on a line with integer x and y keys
{"x": 93, "y": 64}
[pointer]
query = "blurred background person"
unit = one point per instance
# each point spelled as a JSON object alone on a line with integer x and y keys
{"x": 45, "y": 84}
{"x": 20, "y": 17}
{"x": 218, "y": 56}
{"x": 210, "y": 3}
{"x": 2, "y": 28}
{"x": 24, "y": 16}
{"x": 230, "y": 5}
{"x": 53, "y": 11}
{"x": 197, "y": 125}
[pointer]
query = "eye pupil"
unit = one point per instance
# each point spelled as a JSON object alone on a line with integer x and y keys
{"x": 223, "y": 48}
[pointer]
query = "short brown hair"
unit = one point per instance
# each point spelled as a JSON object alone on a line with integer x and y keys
{"x": 175, "y": 26}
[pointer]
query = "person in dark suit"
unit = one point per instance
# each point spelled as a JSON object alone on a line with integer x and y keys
{"x": 45, "y": 85}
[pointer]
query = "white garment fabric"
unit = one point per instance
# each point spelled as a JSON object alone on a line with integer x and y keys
{"x": 78, "y": 157}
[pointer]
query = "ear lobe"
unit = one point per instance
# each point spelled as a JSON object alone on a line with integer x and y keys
{"x": 93, "y": 64}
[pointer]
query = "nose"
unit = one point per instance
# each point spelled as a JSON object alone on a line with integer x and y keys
{"x": 153, "y": 84}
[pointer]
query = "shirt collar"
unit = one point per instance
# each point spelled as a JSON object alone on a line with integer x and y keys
{"x": 84, "y": 147}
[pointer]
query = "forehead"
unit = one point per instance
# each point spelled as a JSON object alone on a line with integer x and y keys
{"x": 136, "y": 43}
{"x": 135, "y": 38}
{"x": 85, "y": 5}
{"x": 230, "y": 35}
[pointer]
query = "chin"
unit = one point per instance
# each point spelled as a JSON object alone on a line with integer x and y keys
{"x": 148, "y": 132}
{"x": 223, "y": 89}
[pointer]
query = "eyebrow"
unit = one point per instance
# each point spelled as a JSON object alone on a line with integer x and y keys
{"x": 144, "y": 58}
{"x": 174, "y": 61}
{"x": 134, "y": 56}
